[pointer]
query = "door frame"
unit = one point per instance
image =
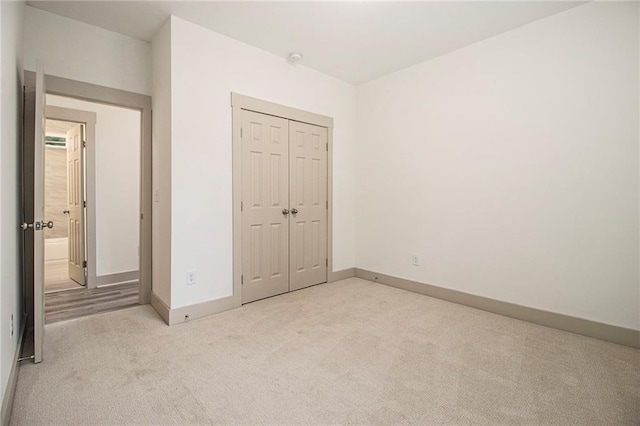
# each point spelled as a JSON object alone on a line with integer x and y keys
{"x": 87, "y": 118}
{"x": 241, "y": 102}
{"x": 120, "y": 98}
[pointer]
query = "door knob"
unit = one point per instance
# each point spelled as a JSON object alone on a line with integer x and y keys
{"x": 285, "y": 212}
{"x": 37, "y": 225}
{"x": 294, "y": 210}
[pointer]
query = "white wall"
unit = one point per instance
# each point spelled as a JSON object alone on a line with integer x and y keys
{"x": 161, "y": 170}
{"x": 82, "y": 52}
{"x": 511, "y": 167}
{"x": 11, "y": 19}
{"x": 205, "y": 68}
{"x": 117, "y": 184}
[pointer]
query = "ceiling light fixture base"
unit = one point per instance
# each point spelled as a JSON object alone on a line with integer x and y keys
{"x": 295, "y": 56}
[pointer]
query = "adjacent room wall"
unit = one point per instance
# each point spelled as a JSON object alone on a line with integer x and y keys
{"x": 55, "y": 190}
{"x": 117, "y": 184}
{"x": 83, "y": 52}
{"x": 205, "y": 68}
{"x": 11, "y": 30}
{"x": 510, "y": 167}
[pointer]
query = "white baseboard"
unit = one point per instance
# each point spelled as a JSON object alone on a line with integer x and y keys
{"x": 199, "y": 310}
{"x": 342, "y": 275}
{"x": 191, "y": 312}
{"x": 210, "y": 307}
{"x": 160, "y": 307}
{"x": 7, "y": 401}
{"x": 611, "y": 333}
{"x": 119, "y": 278}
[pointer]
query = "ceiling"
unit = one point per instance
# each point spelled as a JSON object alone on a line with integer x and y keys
{"x": 353, "y": 41}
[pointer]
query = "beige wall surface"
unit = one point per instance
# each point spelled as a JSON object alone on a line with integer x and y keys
{"x": 55, "y": 191}
{"x": 510, "y": 167}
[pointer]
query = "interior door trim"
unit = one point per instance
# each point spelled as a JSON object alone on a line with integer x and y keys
{"x": 110, "y": 96}
{"x": 87, "y": 118}
{"x": 241, "y": 102}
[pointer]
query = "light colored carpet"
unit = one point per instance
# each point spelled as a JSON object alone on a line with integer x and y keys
{"x": 350, "y": 352}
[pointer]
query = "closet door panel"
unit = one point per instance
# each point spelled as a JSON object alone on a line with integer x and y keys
{"x": 308, "y": 192}
{"x": 265, "y": 196}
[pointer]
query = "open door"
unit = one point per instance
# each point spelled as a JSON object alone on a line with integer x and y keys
{"x": 39, "y": 223}
{"x": 75, "y": 203}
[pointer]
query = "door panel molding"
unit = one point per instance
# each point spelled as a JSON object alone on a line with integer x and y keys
{"x": 265, "y": 230}
{"x": 75, "y": 204}
{"x": 308, "y": 184}
{"x": 238, "y": 104}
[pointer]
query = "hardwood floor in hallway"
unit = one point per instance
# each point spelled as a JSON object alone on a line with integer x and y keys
{"x": 56, "y": 276}
{"x": 69, "y": 304}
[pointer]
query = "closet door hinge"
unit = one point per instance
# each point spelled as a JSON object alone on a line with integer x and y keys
{"x": 241, "y": 132}
{"x": 241, "y": 206}
{"x": 84, "y": 204}
{"x": 327, "y": 204}
{"x": 241, "y": 279}
{"x": 327, "y": 146}
{"x": 84, "y": 263}
{"x": 327, "y": 262}
{"x": 84, "y": 144}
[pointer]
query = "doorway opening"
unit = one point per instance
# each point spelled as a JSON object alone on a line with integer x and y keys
{"x": 96, "y": 211}
{"x": 61, "y": 185}
{"x": 99, "y": 275}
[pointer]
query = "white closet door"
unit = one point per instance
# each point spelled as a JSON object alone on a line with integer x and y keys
{"x": 265, "y": 206}
{"x": 308, "y": 193}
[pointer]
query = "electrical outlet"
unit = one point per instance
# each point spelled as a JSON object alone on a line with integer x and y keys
{"x": 11, "y": 326}
{"x": 191, "y": 277}
{"x": 414, "y": 260}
